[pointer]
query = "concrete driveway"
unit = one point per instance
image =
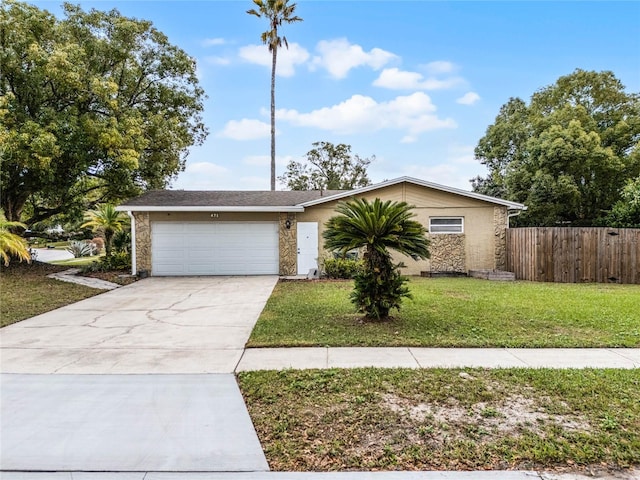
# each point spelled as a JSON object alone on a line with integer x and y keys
{"x": 138, "y": 379}
{"x": 157, "y": 325}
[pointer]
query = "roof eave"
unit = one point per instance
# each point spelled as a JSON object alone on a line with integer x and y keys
{"x": 209, "y": 208}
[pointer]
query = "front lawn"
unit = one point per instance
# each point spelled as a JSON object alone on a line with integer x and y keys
{"x": 441, "y": 419}
{"x": 456, "y": 312}
{"x": 25, "y": 291}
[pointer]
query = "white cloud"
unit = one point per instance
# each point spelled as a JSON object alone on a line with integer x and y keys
{"x": 212, "y": 42}
{"x": 439, "y": 67}
{"x": 246, "y": 129}
{"x": 339, "y": 56}
{"x": 214, "y": 60}
{"x": 468, "y": 98}
{"x": 413, "y": 113}
{"x": 396, "y": 79}
{"x": 287, "y": 60}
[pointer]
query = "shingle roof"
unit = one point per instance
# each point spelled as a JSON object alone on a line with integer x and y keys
{"x": 274, "y": 201}
{"x": 223, "y": 198}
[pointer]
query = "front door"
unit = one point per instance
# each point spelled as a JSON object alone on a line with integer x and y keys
{"x": 307, "y": 247}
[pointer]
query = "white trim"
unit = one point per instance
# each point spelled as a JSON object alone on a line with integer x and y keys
{"x": 423, "y": 183}
{"x": 133, "y": 243}
{"x": 213, "y": 208}
{"x": 447, "y": 217}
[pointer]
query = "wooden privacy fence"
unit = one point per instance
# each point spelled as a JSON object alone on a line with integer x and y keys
{"x": 574, "y": 254}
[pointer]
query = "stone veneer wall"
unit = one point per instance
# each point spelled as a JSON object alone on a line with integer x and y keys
{"x": 288, "y": 245}
{"x": 447, "y": 253}
{"x": 143, "y": 241}
{"x": 500, "y": 220}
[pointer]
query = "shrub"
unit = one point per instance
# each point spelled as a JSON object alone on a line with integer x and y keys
{"x": 376, "y": 292}
{"x": 346, "y": 268}
{"x": 81, "y": 249}
{"x": 122, "y": 241}
{"x": 116, "y": 261}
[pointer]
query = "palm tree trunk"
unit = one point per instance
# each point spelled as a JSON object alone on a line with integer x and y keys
{"x": 108, "y": 239}
{"x": 273, "y": 117}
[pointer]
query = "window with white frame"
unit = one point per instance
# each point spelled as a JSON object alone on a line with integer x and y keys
{"x": 446, "y": 224}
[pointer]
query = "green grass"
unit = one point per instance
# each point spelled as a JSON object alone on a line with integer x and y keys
{"x": 377, "y": 419}
{"x": 58, "y": 245}
{"x": 25, "y": 291}
{"x": 456, "y": 312}
{"x": 75, "y": 262}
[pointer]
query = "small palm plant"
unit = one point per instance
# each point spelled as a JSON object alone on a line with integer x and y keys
{"x": 377, "y": 227}
{"x": 12, "y": 245}
{"x": 107, "y": 220}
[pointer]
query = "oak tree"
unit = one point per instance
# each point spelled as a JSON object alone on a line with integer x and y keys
{"x": 568, "y": 153}
{"x": 94, "y": 107}
{"x": 328, "y": 167}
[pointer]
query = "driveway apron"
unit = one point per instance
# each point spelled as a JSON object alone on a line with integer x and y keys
{"x": 135, "y": 379}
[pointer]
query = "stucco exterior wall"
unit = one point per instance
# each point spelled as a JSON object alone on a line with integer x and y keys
{"x": 475, "y": 249}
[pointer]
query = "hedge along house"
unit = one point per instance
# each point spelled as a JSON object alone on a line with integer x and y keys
{"x": 178, "y": 232}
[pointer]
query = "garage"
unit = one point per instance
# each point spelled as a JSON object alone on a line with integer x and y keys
{"x": 214, "y": 248}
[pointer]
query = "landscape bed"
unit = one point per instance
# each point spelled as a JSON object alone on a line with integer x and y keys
{"x": 441, "y": 419}
{"x": 455, "y": 312}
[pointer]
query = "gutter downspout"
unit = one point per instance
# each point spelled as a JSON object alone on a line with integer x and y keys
{"x": 133, "y": 243}
{"x": 509, "y": 215}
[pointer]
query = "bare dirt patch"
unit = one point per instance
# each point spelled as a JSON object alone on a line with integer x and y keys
{"x": 482, "y": 421}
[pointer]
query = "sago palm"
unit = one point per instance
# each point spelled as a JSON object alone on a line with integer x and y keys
{"x": 107, "y": 220}
{"x": 276, "y": 12}
{"x": 12, "y": 245}
{"x": 377, "y": 227}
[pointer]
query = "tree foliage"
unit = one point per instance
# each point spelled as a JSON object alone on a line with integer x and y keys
{"x": 12, "y": 245}
{"x": 377, "y": 227}
{"x": 94, "y": 107}
{"x": 568, "y": 153}
{"x": 276, "y": 12}
{"x": 328, "y": 167}
{"x": 107, "y": 221}
{"x": 626, "y": 211}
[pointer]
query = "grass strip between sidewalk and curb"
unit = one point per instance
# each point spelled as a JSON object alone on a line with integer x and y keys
{"x": 446, "y": 419}
{"x": 455, "y": 312}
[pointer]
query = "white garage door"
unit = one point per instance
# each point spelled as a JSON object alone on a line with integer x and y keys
{"x": 216, "y": 248}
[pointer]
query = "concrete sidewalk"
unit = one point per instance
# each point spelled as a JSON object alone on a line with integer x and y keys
{"x": 431, "y": 475}
{"x": 410, "y": 357}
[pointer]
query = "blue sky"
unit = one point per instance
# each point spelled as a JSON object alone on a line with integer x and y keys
{"x": 415, "y": 83}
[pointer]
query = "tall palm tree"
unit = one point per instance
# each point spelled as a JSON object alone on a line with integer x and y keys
{"x": 12, "y": 245}
{"x": 276, "y": 12}
{"x": 107, "y": 220}
{"x": 377, "y": 227}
